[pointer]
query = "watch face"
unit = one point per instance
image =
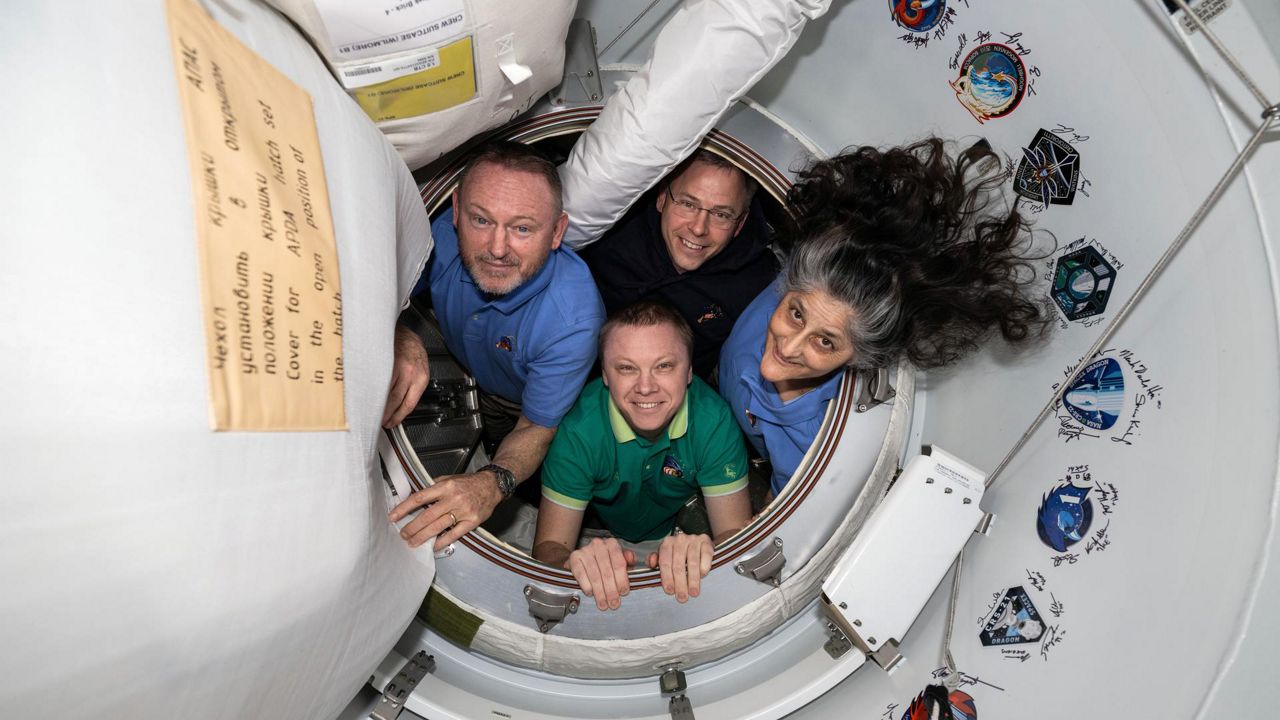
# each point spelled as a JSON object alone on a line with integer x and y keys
{"x": 506, "y": 480}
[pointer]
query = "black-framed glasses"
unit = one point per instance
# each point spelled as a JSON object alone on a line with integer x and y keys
{"x": 720, "y": 219}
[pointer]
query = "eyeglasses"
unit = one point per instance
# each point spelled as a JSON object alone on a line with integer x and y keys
{"x": 719, "y": 219}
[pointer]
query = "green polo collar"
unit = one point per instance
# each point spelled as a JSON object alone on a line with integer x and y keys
{"x": 622, "y": 432}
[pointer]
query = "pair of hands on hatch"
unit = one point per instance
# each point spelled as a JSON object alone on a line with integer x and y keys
{"x": 601, "y": 566}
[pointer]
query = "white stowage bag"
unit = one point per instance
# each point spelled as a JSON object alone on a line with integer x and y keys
{"x": 151, "y": 567}
{"x": 436, "y": 73}
{"x": 707, "y": 56}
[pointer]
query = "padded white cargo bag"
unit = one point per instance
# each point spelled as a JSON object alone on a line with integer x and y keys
{"x": 435, "y": 73}
{"x": 152, "y": 565}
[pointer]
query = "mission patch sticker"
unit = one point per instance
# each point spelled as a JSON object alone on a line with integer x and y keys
{"x": 1013, "y": 620}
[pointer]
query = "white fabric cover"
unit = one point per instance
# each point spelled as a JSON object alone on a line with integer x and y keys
{"x": 151, "y": 567}
{"x": 535, "y": 59}
{"x": 520, "y": 644}
{"x": 706, "y": 57}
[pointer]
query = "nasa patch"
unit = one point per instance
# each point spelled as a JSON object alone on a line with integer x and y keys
{"x": 1082, "y": 283}
{"x": 709, "y": 313}
{"x": 992, "y": 81}
{"x": 918, "y": 16}
{"x": 671, "y": 467}
{"x": 1064, "y": 516}
{"x": 1049, "y": 170}
{"x": 1013, "y": 620}
{"x": 1095, "y": 397}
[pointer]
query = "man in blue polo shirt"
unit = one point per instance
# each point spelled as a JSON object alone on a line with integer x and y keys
{"x": 637, "y": 446}
{"x": 517, "y": 310}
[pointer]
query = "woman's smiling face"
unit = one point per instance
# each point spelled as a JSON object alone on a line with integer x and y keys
{"x": 806, "y": 341}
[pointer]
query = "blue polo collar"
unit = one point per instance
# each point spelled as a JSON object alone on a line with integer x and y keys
{"x": 767, "y": 405}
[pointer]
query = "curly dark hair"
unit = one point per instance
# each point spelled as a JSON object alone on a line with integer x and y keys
{"x": 909, "y": 239}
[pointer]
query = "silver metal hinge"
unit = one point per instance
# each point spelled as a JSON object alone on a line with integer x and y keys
{"x": 841, "y": 630}
{"x": 549, "y": 608}
{"x": 984, "y": 525}
{"x": 875, "y": 389}
{"x": 672, "y": 683}
{"x": 402, "y": 685}
{"x": 887, "y": 657}
{"x": 766, "y": 565}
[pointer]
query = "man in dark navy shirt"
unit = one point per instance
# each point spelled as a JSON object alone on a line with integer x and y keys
{"x": 701, "y": 246}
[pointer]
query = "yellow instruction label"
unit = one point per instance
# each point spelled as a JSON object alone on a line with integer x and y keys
{"x": 449, "y": 83}
{"x": 268, "y": 260}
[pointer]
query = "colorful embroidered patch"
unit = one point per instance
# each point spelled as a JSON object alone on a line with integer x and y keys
{"x": 919, "y": 16}
{"x": 671, "y": 466}
{"x": 1096, "y": 396}
{"x": 1049, "y": 170}
{"x": 961, "y": 704}
{"x": 1064, "y": 516}
{"x": 505, "y": 343}
{"x": 710, "y": 312}
{"x": 992, "y": 81}
{"x": 1082, "y": 283}
{"x": 1013, "y": 620}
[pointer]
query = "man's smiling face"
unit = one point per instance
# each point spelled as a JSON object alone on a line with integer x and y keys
{"x": 647, "y": 371}
{"x": 507, "y": 226}
{"x": 694, "y": 236}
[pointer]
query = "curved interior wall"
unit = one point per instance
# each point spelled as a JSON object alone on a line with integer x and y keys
{"x": 1184, "y": 482}
{"x": 1163, "y": 582}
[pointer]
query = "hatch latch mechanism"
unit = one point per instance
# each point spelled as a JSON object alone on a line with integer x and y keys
{"x": 673, "y": 684}
{"x": 549, "y": 608}
{"x": 875, "y": 389}
{"x": 766, "y": 565}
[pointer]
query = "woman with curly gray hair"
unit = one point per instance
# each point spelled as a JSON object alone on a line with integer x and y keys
{"x": 894, "y": 255}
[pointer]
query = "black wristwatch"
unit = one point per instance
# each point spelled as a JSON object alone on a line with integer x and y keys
{"x": 506, "y": 479}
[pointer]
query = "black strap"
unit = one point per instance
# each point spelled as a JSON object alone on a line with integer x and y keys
{"x": 940, "y": 696}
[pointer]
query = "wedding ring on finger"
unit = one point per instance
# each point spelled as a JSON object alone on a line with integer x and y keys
{"x": 453, "y": 520}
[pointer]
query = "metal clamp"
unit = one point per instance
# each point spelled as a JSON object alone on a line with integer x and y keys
{"x": 843, "y": 632}
{"x": 766, "y": 565}
{"x": 402, "y": 686}
{"x": 837, "y": 643}
{"x": 672, "y": 683}
{"x": 581, "y": 82}
{"x": 445, "y": 401}
{"x": 549, "y": 608}
{"x": 875, "y": 389}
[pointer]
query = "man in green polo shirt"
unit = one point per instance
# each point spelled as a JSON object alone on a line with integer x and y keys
{"x": 637, "y": 445}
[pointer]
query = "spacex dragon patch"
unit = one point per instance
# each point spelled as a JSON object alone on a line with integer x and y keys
{"x": 1013, "y": 620}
